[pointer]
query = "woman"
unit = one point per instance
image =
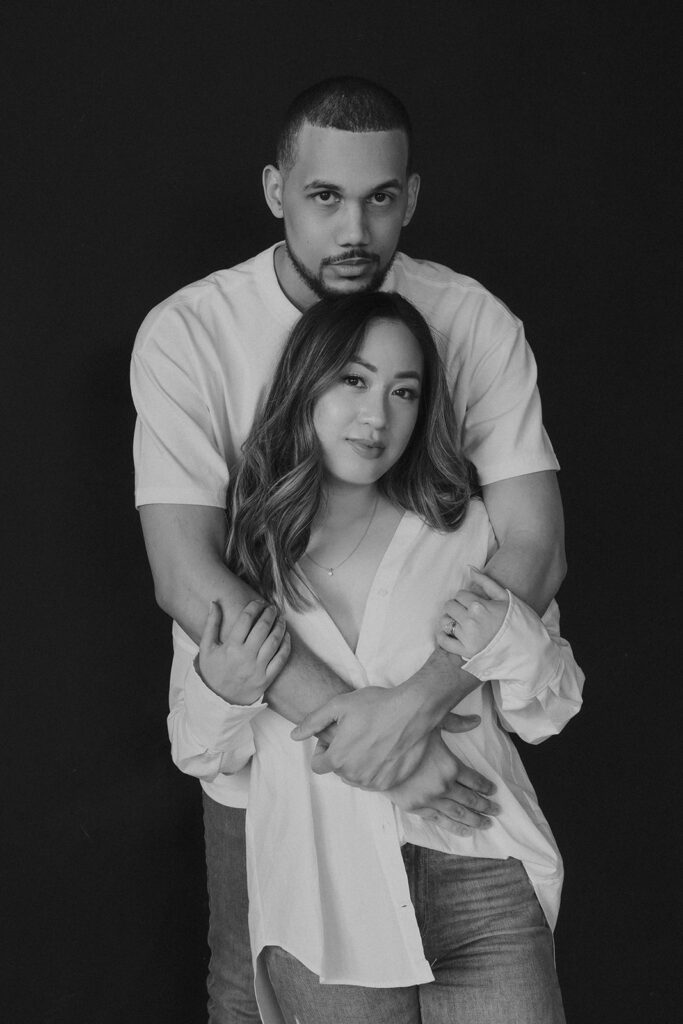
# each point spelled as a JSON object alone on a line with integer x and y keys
{"x": 352, "y": 512}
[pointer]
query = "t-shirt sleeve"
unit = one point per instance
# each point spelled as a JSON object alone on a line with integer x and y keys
{"x": 178, "y": 456}
{"x": 503, "y": 431}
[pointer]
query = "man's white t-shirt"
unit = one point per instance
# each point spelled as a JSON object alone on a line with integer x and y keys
{"x": 204, "y": 357}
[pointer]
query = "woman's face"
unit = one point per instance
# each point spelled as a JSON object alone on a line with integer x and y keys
{"x": 364, "y": 421}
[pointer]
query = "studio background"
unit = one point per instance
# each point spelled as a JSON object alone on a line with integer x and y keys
{"x": 137, "y": 134}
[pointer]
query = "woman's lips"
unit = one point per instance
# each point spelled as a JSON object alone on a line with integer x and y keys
{"x": 366, "y": 449}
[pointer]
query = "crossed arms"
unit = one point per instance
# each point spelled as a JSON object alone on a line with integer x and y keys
{"x": 382, "y": 739}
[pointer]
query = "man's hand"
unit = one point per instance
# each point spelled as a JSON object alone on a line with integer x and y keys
{"x": 381, "y": 734}
{"x": 446, "y": 792}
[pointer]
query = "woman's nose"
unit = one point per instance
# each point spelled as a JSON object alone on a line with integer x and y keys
{"x": 373, "y": 411}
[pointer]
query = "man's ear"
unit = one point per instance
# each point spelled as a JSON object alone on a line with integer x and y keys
{"x": 413, "y": 190}
{"x": 272, "y": 189}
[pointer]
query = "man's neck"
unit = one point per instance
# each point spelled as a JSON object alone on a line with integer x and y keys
{"x": 296, "y": 290}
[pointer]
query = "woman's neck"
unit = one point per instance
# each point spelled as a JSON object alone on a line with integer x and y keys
{"x": 343, "y": 505}
{"x": 346, "y": 515}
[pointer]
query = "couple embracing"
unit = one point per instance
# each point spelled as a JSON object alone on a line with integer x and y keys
{"x": 399, "y": 867}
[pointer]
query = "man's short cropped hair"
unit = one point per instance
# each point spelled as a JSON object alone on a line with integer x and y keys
{"x": 346, "y": 103}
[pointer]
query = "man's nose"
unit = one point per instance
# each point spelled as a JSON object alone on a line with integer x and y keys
{"x": 353, "y": 226}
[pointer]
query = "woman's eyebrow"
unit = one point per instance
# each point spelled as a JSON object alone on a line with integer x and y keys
{"x": 402, "y": 374}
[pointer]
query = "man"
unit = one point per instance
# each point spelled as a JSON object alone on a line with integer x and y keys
{"x": 344, "y": 187}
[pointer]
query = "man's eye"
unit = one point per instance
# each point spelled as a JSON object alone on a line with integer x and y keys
{"x": 382, "y": 198}
{"x": 327, "y": 198}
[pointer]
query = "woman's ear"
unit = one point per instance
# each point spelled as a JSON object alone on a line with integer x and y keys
{"x": 272, "y": 189}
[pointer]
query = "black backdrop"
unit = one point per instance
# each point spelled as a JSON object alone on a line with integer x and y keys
{"x": 137, "y": 135}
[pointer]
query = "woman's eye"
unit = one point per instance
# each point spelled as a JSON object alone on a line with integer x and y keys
{"x": 353, "y": 380}
{"x": 408, "y": 393}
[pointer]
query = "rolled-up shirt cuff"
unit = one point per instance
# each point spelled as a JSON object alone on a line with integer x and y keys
{"x": 521, "y": 656}
{"x": 215, "y": 722}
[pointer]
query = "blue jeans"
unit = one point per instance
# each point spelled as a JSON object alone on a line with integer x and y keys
{"x": 485, "y": 937}
{"x": 230, "y": 982}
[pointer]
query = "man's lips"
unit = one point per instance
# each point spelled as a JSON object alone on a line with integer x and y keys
{"x": 352, "y": 265}
{"x": 366, "y": 449}
{"x": 352, "y": 268}
{"x": 351, "y": 257}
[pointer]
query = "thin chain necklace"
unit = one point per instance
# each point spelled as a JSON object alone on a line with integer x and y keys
{"x": 331, "y": 569}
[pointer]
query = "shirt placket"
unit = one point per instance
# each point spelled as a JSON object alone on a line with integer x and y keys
{"x": 371, "y": 640}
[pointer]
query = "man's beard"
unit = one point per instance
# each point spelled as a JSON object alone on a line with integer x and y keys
{"x": 315, "y": 281}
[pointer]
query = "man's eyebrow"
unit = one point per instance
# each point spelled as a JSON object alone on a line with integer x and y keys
{"x": 402, "y": 375}
{"x": 329, "y": 186}
{"x": 391, "y": 183}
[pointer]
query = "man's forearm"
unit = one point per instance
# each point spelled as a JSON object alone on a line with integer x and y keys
{"x": 304, "y": 684}
{"x": 527, "y": 519}
{"x": 438, "y": 687}
{"x": 533, "y": 568}
{"x": 533, "y": 571}
{"x": 184, "y": 546}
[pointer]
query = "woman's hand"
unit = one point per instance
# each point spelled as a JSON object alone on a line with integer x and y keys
{"x": 240, "y": 663}
{"x": 471, "y": 620}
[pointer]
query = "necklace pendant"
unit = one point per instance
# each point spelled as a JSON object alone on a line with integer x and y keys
{"x": 330, "y": 572}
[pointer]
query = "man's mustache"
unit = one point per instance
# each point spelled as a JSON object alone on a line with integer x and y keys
{"x": 351, "y": 254}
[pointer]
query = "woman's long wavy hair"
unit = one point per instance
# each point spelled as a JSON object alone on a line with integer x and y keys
{"x": 279, "y": 486}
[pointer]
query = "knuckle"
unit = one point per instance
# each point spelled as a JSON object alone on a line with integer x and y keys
{"x": 460, "y": 829}
{"x": 364, "y": 777}
{"x": 381, "y": 784}
{"x": 475, "y": 802}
